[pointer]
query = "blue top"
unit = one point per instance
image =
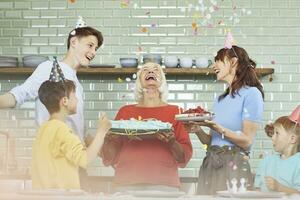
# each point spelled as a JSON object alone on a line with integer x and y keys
{"x": 230, "y": 112}
{"x": 286, "y": 172}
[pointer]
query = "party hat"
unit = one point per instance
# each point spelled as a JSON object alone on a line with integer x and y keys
{"x": 295, "y": 115}
{"x": 56, "y": 74}
{"x": 80, "y": 23}
{"x": 229, "y": 41}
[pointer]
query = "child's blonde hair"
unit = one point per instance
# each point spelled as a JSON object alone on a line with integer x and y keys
{"x": 290, "y": 126}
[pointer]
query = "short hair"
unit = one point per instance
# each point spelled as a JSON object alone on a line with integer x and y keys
{"x": 50, "y": 93}
{"x": 163, "y": 89}
{"x": 85, "y": 32}
{"x": 290, "y": 127}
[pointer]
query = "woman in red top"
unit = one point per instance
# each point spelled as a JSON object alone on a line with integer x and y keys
{"x": 151, "y": 163}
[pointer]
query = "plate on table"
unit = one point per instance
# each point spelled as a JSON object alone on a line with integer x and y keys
{"x": 52, "y": 192}
{"x": 102, "y": 66}
{"x": 251, "y": 194}
{"x": 194, "y": 117}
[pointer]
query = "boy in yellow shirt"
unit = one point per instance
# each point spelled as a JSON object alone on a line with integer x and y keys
{"x": 57, "y": 152}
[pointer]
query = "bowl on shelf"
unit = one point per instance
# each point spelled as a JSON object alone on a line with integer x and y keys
{"x": 129, "y": 62}
{"x": 155, "y": 58}
{"x": 33, "y": 60}
{"x": 201, "y": 62}
{"x": 186, "y": 62}
{"x": 171, "y": 61}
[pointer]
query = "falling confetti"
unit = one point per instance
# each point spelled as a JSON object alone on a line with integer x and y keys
{"x": 147, "y": 13}
{"x": 204, "y": 146}
{"x": 120, "y": 80}
{"x": 144, "y": 29}
{"x": 124, "y": 3}
{"x": 273, "y": 62}
{"x": 153, "y": 25}
{"x": 194, "y": 25}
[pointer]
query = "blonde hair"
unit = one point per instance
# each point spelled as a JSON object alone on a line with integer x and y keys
{"x": 163, "y": 89}
{"x": 290, "y": 127}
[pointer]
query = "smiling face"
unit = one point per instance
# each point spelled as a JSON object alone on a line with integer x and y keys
{"x": 225, "y": 70}
{"x": 150, "y": 76}
{"x": 84, "y": 49}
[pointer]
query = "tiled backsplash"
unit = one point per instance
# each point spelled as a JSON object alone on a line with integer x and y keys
{"x": 270, "y": 34}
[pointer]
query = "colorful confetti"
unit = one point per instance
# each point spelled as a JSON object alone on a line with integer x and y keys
{"x": 273, "y": 62}
{"x": 120, "y": 80}
{"x": 144, "y": 29}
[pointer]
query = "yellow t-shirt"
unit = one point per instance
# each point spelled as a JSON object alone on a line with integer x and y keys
{"x": 56, "y": 155}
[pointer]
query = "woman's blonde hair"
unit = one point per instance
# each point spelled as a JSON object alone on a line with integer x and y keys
{"x": 163, "y": 89}
{"x": 290, "y": 127}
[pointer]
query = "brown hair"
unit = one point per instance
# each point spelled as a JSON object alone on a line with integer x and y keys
{"x": 84, "y": 32}
{"x": 50, "y": 93}
{"x": 245, "y": 71}
{"x": 290, "y": 127}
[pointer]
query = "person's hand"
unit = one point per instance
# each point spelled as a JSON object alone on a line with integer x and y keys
{"x": 269, "y": 129}
{"x": 192, "y": 126}
{"x": 104, "y": 124}
{"x": 271, "y": 183}
{"x": 166, "y": 137}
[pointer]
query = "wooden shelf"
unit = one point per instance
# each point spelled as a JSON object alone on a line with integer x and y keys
{"x": 125, "y": 71}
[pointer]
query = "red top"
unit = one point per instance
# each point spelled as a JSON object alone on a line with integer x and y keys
{"x": 148, "y": 161}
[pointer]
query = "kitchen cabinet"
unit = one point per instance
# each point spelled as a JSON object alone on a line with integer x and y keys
{"x": 125, "y": 71}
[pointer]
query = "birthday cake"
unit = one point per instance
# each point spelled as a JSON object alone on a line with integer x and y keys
{"x": 194, "y": 114}
{"x": 135, "y": 127}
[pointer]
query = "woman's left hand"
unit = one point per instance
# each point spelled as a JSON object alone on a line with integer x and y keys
{"x": 271, "y": 183}
{"x": 167, "y": 137}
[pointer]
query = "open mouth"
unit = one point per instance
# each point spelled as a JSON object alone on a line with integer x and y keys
{"x": 217, "y": 71}
{"x": 89, "y": 57}
{"x": 151, "y": 77}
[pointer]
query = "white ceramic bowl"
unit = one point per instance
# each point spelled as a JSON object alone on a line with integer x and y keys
{"x": 186, "y": 62}
{"x": 201, "y": 62}
{"x": 171, "y": 61}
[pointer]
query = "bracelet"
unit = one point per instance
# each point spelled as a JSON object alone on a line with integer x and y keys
{"x": 223, "y": 133}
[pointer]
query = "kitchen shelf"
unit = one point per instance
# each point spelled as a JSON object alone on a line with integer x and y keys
{"x": 125, "y": 71}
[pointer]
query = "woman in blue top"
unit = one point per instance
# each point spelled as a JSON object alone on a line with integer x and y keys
{"x": 238, "y": 112}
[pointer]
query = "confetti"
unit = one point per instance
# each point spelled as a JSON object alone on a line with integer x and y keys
{"x": 153, "y": 25}
{"x": 234, "y": 167}
{"x": 120, "y": 80}
{"x": 204, "y": 146}
{"x": 210, "y": 25}
{"x": 144, "y": 29}
{"x": 194, "y": 25}
{"x": 273, "y": 62}
{"x": 147, "y": 13}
